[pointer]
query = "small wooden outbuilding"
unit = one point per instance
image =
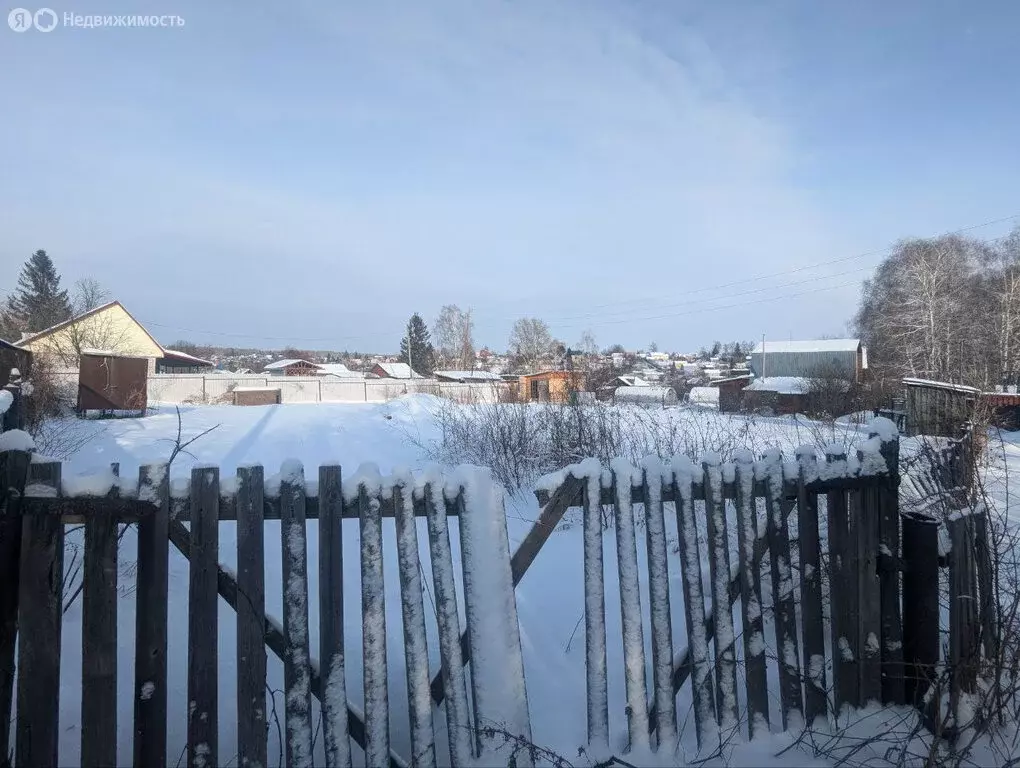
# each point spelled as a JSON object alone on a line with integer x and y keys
{"x": 938, "y": 408}
{"x": 549, "y": 386}
{"x": 112, "y": 384}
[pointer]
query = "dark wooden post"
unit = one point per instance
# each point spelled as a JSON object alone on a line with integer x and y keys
{"x": 99, "y": 640}
{"x": 40, "y": 610}
{"x": 373, "y": 613}
{"x": 842, "y": 592}
{"x": 151, "y": 619}
{"x": 332, "y": 670}
{"x": 815, "y": 704}
{"x": 251, "y": 610}
{"x": 203, "y": 636}
{"x": 920, "y": 604}
{"x": 864, "y": 533}
{"x": 13, "y": 473}
{"x": 14, "y": 416}
{"x": 893, "y": 691}
{"x": 777, "y": 507}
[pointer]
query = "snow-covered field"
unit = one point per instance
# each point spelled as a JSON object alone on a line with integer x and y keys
{"x": 549, "y": 599}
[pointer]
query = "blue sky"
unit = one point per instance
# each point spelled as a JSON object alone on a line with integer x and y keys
{"x": 311, "y": 173}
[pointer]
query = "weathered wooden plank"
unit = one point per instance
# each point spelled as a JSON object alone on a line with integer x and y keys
{"x": 331, "y": 619}
{"x": 296, "y": 662}
{"x": 448, "y": 622}
{"x": 373, "y": 613}
{"x": 152, "y": 579}
{"x": 722, "y": 609}
{"x": 750, "y": 598}
{"x": 13, "y": 474}
{"x": 920, "y": 604}
{"x": 983, "y": 560}
{"x": 963, "y": 620}
{"x": 864, "y": 529}
{"x": 694, "y": 609}
{"x": 275, "y": 640}
{"x": 423, "y": 740}
{"x": 596, "y": 684}
{"x": 630, "y": 609}
{"x": 777, "y": 530}
{"x": 661, "y": 621}
{"x": 251, "y": 613}
{"x": 498, "y": 689}
{"x": 815, "y": 703}
{"x": 889, "y": 567}
{"x": 99, "y": 643}
{"x": 203, "y": 630}
{"x": 842, "y": 594}
{"x": 40, "y": 610}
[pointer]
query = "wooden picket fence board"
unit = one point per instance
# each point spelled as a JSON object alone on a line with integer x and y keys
{"x": 39, "y": 606}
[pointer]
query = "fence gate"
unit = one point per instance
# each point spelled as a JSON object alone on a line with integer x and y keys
{"x": 31, "y": 601}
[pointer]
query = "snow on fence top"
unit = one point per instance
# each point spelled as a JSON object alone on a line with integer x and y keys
{"x": 835, "y": 462}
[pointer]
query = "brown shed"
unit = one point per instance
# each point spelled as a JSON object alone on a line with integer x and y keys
{"x": 938, "y": 408}
{"x": 550, "y": 386}
{"x": 730, "y": 392}
{"x": 109, "y": 383}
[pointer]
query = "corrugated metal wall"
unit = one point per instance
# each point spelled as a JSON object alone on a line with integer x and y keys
{"x": 802, "y": 363}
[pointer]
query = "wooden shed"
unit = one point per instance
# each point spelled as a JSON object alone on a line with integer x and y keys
{"x": 549, "y": 386}
{"x": 730, "y": 392}
{"x": 112, "y": 384}
{"x": 938, "y": 408}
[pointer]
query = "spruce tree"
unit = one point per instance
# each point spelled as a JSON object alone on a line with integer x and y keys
{"x": 423, "y": 355}
{"x": 39, "y": 301}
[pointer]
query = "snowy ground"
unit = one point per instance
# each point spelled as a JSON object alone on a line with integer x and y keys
{"x": 550, "y": 598}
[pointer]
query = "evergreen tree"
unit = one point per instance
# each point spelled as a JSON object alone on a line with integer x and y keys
{"x": 39, "y": 301}
{"x": 423, "y": 355}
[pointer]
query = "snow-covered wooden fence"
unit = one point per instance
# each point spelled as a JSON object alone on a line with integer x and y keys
{"x": 34, "y": 514}
{"x": 847, "y": 581}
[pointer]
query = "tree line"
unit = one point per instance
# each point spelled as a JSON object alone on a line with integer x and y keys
{"x": 944, "y": 308}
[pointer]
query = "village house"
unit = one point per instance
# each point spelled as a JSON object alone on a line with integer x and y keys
{"x": 394, "y": 371}
{"x": 549, "y": 386}
{"x": 292, "y": 367}
{"x": 109, "y": 328}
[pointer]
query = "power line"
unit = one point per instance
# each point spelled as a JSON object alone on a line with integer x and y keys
{"x": 806, "y": 267}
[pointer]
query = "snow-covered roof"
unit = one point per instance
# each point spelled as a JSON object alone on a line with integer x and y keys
{"x": 468, "y": 375}
{"x": 281, "y": 364}
{"x": 784, "y": 385}
{"x": 910, "y": 382}
{"x": 399, "y": 371}
{"x": 727, "y": 379}
{"x": 814, "y": 345}
{"x": 339, "y": 370}
{"x": 645, "y": 394}
{"x": 185, "y": 357}
{"x": 704, "y": 395}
